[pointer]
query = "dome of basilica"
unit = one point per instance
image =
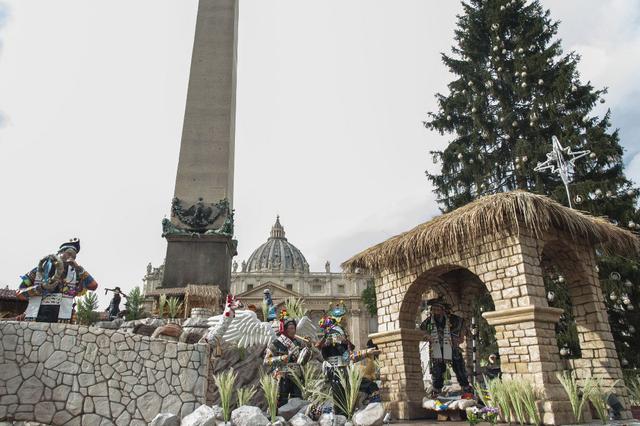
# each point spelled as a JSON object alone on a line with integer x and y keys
{"x": 277, "y": 254}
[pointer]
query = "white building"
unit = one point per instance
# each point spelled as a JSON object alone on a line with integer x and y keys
{"x": 279, "y": 266}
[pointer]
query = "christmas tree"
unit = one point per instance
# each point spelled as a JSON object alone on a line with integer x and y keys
{"x": 514, "y": 89}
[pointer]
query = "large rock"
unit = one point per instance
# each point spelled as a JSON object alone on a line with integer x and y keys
{"x": 203, "y": 416}
{"x": 248, "y": 416}
{"x": 332, "y": 420}
{"x": 165, "y": 419}
{"x": 111, "y": 325}
{"x": 301, "y": 420}
{"x": 292, "y": 407}
{"x": 245, "y": 363}
{"x": 372, "y": 415}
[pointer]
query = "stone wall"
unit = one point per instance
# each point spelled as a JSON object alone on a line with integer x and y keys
{"x": 68, "y": 374}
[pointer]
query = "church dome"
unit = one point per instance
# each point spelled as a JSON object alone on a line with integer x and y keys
{"x": 277, "y": 254}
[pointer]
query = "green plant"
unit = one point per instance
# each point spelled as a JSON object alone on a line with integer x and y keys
{"x": 162, "y": 301}
{"x": 598, "y": 396}
{"x": 245, "y": 394}
{"x": 295, "y": 307}
{"x": 514, "y": 392}
{"x": 224, "y": 382}
{"x": 576, "y": 398}
{"x": 134, "y": 304}
{"x": 529, "y": 395}
{"x": 473, "y": 416}
{"x": 86, "y": 307}
{"x": 633, "y": 388}
{"x": 311, "y": 382}
{"x": 269, "y": 386}
{"x": 369, "y": 298}
{"x": 347, "y": 398}
{"x": 500, "y": 397}
{"x": 173, "y": 306}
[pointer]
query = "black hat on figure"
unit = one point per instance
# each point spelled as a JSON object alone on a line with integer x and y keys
{"x": 73, "y": 243}
{"x": 438, "y": 302}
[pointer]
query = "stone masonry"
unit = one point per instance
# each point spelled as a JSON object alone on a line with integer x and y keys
{"x": 510, "y": 268}
{"x": 69, "y": 374}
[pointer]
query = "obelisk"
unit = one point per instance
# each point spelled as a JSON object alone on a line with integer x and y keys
{"x": 199, "y": 234}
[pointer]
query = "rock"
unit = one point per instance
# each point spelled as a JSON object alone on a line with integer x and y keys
{"x": 44, "y": 412}
{"x": 248, "y": 416}
{"x": 292, "y": 407}
{"x": 301, "y": 420}
{"x": 372, "y": 415}
{"x": 110, "y": 325}
{"x": 149, "y": 405}
{"x": 202, "y": 416}
{"x": 279, "y": 421}
{"x": 218, "y": 412}
{"x": 332, "y": 420}
{"x": 165, "y": 419}
{"x": 74, "y": 403}
{"x": 153, "y": 322}
{"x": 30, "y": 391}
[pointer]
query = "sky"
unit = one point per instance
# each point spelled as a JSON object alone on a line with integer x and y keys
{"x": 330, "y": 102}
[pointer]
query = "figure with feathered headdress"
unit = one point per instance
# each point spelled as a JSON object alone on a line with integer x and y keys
{"x": 338, "y": 351}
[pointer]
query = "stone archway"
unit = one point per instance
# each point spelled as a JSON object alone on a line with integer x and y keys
{"x": 459, "y": 288}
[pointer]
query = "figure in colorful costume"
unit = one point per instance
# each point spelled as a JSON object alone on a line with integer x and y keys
{"x": 271, "y": 310}
{"x": 444, "y": 334}
{"x": 338, "y": 352}
{"x": 284, "y": 356}
{"x": 57, "y": 274}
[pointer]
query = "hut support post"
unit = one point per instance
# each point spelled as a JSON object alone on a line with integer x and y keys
{"x": 528, "y": 350}
{"x": 401, "y": 372}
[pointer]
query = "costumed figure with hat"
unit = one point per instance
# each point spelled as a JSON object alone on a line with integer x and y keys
{"x": 51, "y": 286}
{"x": 444, "y": 334}
{"x": 284, "y": 356}
{"x": 114, "y": 305}
{"x": 338, "y": 352}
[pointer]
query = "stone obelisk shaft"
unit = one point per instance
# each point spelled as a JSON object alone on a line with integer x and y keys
{"x": 205, "y": 168}
{"x": 197, "y": 252}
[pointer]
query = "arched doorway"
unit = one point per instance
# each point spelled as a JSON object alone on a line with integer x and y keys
{"x": 462, "y": 291}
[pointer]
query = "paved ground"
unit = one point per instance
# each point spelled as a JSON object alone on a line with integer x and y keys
{"x": 434, "y": 422}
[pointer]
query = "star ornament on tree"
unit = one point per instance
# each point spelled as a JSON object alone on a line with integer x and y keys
{"x": 560, "y": 160}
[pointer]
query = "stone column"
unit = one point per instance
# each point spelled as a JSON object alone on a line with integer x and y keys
{"x": 199, "y": 234}
{"x": 528, "y": 350}
{"x": 599, "y": 356}
{"x": 401, "y": 374}
{"x": 356, "y": 334}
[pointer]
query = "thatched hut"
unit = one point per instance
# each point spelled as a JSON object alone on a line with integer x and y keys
{"x": 192, "y": 296}
{"x": 500, "y": 245}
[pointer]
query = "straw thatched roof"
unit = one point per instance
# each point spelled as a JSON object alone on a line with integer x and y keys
{"x": 193, "y": 290}
{"x": 502, "y": 213}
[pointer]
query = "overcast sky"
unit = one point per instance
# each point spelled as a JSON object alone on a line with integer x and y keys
{"x": 331, "y": 96}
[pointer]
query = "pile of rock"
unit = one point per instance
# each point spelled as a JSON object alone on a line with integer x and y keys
{"x": 372, "y": 415}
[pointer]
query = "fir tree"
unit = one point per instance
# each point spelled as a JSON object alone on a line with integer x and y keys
{"x": 514, "y": 89}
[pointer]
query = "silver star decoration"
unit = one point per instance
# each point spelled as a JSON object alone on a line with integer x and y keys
{"x": 557, "y": 163}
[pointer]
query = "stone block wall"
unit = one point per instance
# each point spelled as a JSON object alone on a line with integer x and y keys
{"x": 69, "y": 374}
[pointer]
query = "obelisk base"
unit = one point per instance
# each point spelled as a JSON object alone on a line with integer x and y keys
{"x": 199, "y": 259}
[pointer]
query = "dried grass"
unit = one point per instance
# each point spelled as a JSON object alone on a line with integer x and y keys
{"x": 498, "y": 214}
